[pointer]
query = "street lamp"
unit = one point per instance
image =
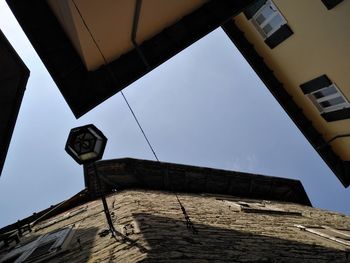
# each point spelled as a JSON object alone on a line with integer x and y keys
{"x": 86, "y": 144}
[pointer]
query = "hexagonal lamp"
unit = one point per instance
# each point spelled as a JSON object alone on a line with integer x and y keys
{"x": 86, "y": 144}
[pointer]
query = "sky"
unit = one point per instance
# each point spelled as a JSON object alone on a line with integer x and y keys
{"x": 203, "y": 107}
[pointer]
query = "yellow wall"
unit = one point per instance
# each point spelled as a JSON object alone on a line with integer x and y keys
{"x": 320, "y": 45}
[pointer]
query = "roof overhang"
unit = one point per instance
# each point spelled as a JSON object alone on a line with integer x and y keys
{"x": 339, "y": 167}
{"x": 13, "y": 80}
{"x": 131, "y": 173}
{"x": 88, "y": 48}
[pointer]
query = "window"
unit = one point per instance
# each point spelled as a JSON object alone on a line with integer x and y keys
{"x": 341, "y": 236}
{"x": 263, "y": 207}
{"x": 269, "y": 22}
{"x": 327, "y": 98}
{"x": 41, "y": 248}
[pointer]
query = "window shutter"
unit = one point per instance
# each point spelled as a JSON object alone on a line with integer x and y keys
{"x": 252, "y": 9}
{"x": 336, "y": 115}
{"x": 43, "y": 246}
{"x": 340, "y": 111}
{"x": 60, "y": 237}
{"x": 40, "y": 250}
{"x": 331, "y": 3}
{"x": 20, "y": 253}
{"x": 341, "y": 236}
{"x": 57, "y": 238}
{"x": 315, "y": 84}
{"x": 279, "y": 36}
{"x": 263, "y": 207}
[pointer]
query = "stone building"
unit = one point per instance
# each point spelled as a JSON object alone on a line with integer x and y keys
{"x": 175, "y": 213}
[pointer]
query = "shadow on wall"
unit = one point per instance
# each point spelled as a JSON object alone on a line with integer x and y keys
{"x": 80, "y": 247}
{"x": 170, "y": 241}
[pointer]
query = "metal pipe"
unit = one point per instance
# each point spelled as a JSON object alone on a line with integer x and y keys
{"x": 135, "y": 24}
{"x": 334, "y": 138}
{"x": 104, "y": 202}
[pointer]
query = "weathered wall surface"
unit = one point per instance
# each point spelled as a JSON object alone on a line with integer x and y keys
{"x": 153, "y": 229}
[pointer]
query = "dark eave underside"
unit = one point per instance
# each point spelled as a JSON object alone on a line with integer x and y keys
{"x": 132, "y": 173}
{"x": 13, "y": 79}
{"x": 82, "y": 89}
{"x": 340, "y": 168}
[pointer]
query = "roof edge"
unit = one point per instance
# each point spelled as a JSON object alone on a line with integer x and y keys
{"x": 69, "y": 72}
{"x": 127, "y": 173}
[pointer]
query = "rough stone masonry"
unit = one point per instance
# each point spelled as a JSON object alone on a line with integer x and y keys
{"x": 152, "y": 229}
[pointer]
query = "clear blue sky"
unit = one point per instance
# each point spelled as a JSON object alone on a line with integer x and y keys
{"x": 203, "y": 107}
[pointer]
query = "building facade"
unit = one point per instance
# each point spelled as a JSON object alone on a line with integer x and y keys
{"x": 197, "y": 221}
{"x": 300, "y": 51}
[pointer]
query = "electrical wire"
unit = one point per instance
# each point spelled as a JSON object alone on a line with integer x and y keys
{"x": 189, "y": 223}
{"x": 137, "y": 11}
{"x": 138, "y": 123}
{"x": 115, "y": 81}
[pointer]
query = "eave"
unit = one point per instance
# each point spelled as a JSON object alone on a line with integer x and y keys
{"x": 131, "y": 173}
{"x": 82, "y": 89}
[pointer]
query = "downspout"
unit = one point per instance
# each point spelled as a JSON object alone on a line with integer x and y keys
{"x": 334, "y": 138}
{"x": 134, "y": 32}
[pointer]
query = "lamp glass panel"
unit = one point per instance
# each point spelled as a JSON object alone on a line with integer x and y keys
{"x": 98, "y": 146}
{"x": 87, "y": 156}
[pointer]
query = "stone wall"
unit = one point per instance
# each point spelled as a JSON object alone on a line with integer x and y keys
{"x": 152, "y": 228}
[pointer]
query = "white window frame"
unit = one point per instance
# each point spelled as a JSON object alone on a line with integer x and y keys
{"x": 264, "y": 207}
{"x": 59, "y": 237}
{"x": 317, "y": 230}
{"x": 317, "y": 101}
{"x": 260, "y": 27}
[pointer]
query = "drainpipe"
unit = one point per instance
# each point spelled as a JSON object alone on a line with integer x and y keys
{"x": 134, "y": 32}
{"x": 334, "y": 138}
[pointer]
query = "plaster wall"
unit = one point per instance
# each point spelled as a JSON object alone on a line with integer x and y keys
{"x": 320, "y": 45}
